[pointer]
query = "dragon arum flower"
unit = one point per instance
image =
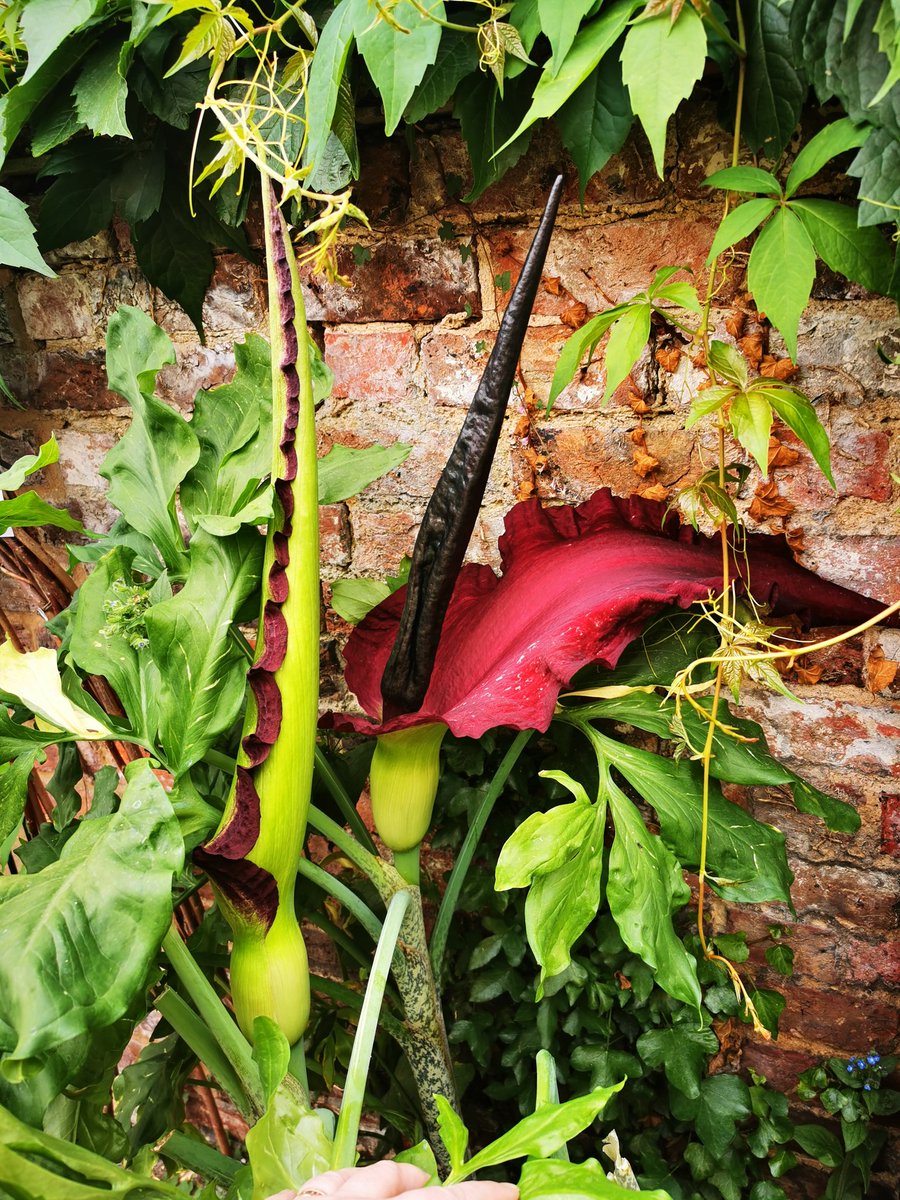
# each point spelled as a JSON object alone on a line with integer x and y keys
{"x": 577, "y": 585}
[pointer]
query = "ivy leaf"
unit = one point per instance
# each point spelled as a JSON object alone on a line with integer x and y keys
{"x": 488, "y": 122}
{"x": 781, "y": 272}
{"x": 798, "y": 414}
{"x": 396, "y": 60}
{"x": 328, "y": 65}
{"x": 682, "y": 1052}
{"x": 627, "y": 339}
{"x": 595, "y": 121}
{"x": 100, "y": 93}
{"x": 661, "y": 62}
{"x": 560, "y": 23}
{"x": 724, "y": 1100}
{"x": 877, "y": 166}
{"x": 781, "y": 959}
{"x": 588, "y": 48}
{"x": 18, "y": 247}
{"x": 644, "y": 889}
{"x": 858, "y": 254}
{"x": 834, "y": 139}
{"x": 769, "y": 1006}
{"x": 774, "y": 89}
{"x": 751, "y": 423}
{"x": 738, "y": 224}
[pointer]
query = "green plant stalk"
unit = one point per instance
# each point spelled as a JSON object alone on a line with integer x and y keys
{"x": 338, "y": 793}
{"x": 463, "y": 861}
{"x": 196, "y": 1035}
{"x": 197, "y": 1156}
{"x": 347, "y": 1131}
{"x": 333, "y": 887}
{"x": 216, "y": 1019}
{"x": 253, "y": 862}
{"x": 547, "y": 1092}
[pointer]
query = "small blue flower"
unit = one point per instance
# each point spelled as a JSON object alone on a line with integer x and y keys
{"x": 850, "y": 1068}
{"x": 873, "y": 1059}
{"x": 867, "y": 1087}
{"x": 861, "y": 1063}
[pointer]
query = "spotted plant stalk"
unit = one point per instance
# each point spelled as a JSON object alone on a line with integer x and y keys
{"x": 252, "y": 858}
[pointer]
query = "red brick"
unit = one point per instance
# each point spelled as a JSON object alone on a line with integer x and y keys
{"x": 890, "y": 824}
{"x": 417, "y": 279}
{"x": 876, "y": 964}
{"x": 859, "y": 898}
{"x": 859, "y": 460}
{"x": 55, "y": 309}
{"x": 67, "y": 379}
{"x": 840, "y": 1023}
{"x": 779, "y": 1066}
{"x": 371, "y": 364}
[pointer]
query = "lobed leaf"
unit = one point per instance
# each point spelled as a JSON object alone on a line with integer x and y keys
{"x": 18, "y": 247}
{"x": 397, "y": 60}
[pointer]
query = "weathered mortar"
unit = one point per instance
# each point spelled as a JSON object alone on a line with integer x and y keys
{"x": 407, "y": 344}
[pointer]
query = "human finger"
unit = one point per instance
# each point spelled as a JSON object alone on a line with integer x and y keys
{"x": 381, "y": 1181}
{"x": 479, "y": 1190}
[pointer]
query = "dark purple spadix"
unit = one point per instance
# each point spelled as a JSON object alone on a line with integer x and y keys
{"x": 453, "y": 509}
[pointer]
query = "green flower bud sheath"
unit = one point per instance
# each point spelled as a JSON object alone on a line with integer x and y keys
{"x": 403, "y": 781}
{"x": 252, "y": 859}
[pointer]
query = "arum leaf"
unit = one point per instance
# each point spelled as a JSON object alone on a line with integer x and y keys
{"x": 739, "y": 224}
{"x": 353, "y": 599}
{"x": 398, "y": 60}
{"x": 110, "y": 895}
{"x": 453, "y": 1132}
{"x": 202, "y": 669}
{"x": 728, "y": 362}
{"x": 644, "y": 889}
{"x": 550, "y": 1179}
{"x": 775, "y": 88}
{"x": 589, "y": 46}
{"x": 627, "y": 339}
{"x": 543, "y": 843}
{"x": 744, "y": 179}
{"x": 31, "y": 509}
{"x": 34, "y": 680}
{"x": 145, "y": 467}
{"x": 837, "y": 815}
{"x": 596, "y": 119}
{"x": 560, "y": 23}
{"x": 542, "y": 1133}
{"x": 287, "y": 1145}
{"x": 799, "y": 415}
{"x": 345, "y": 471}
{"x": 781, "y": 272}
{"x": 581, "y": 342}
{"x": 100, "y": 649}
{"x": 14, "y": 778}
{"x": 834, "y": 139}
{"x": 661, "y": 62}
{"x": 255, "y": 512}
{"x": 18, "y": 247}
{"x": 13, "y": 477}
{"x": 751, "y": 424}
{"x": 857, "y": 253}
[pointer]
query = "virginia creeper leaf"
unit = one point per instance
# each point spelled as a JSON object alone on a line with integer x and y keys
{"x": 325, "y": 75}
{"x": 18, "y": 247}
{"x": 488, "y": 122}
{"x": 661, "y": 62}
{"x": 47, "y": 24}
{"x": 398, "y": 60}
{"x": 858, "y": 253}
{"x": 581, "y": 342}
{"x": 100, "y": 93}
{"x": 744, "y": 179}
{"x": 560, "y": 24}
{"x": 728, "y": 362}
{"x": 739, "y": 223}
{"x": 595, "y": 120}
{"x": 751, "y": 423}
{"x": 457, "y": 57}
{"x": 781, "y": 272}
{"x": 834, "y": 139}
{"x": 627, "y": 339}
{"x": 774, "y": 89}
{"x": 798, "y": 414}
{"x": 877, "y": 166}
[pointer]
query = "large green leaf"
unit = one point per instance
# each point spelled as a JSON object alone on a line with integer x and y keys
{"x": 17, "y": 245}
{"x": 488, "y": 122}
{"x": 834, "y": 139}
{"x": 751, "y": 423}
{"x": 14, "y": 778}
{"x": 148, "y": 1092}
{"x": 233, "y": 425}
{"x": 543, "y": 843}
{"x": 590, "y": 44}
{"x": 740, "y": 223}
{"x": 781, "y": 272}
{"x": 595, "y": 120}
{"x": 145, "y": 467}
{"x": 661, "y": 62}
{"x": 798, "y": 414}
{"x": 48, "y": 24}
{"x": 457, "y": 57}
{"x": 774, "y": 89}
{"x": 101, "y": 91}
{"x": 682, "y": 1052}
{"x": 581, "y": 343}
{"x": 76, "y": 940}
{"x": 288, "y": 1144}
{"x": 645, "y": 887}
{"x": 30, "y": 509}
{"x": 627, "y": 339}
{"x": 325, "y": 75}
{"x": 559, "y": 22}
{"x": 345, "y": 471}
{"x": 13, "y": 477}
{"x": 397, "y": 58}
{"x": 202, "y": 667}
{"x": 860, "y": 254}
{"x": 99, "y": 649}
{"x": 552, "y": 1179}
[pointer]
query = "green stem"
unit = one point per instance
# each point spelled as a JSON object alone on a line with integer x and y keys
{"x": 467, "y": 851}
{"x": 547, "y": 1091}
{"x": 297, "y": 1065}
{"x": 222, "y": 761}
{"x": 353, "y": 1000}
{"x": 197, "y": 1036}
{"x": 340, "y": 796}
{"x": 334, "y": 887}
{"x": 382, "y": 874}
{"x": 406, "y": 862}
{"x": 197, "y": 1156}
{"x": 347, "y": 1132}
{"x": 217, "y": 1018}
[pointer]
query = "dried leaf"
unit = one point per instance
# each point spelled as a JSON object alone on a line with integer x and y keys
{"x": 575, "y": 315}
{"x": 777, "y": 368}
{"x": 768, "y": 503}
{"x": 735, "y": 324}
{"x": 655, "y": 492}
{"x": 669, "y": 359}
{"x": 553, "y": 285}
{"x": 637, "y": 402}
{"x": 644, "y": 463}
{"x": 880, "y": 671}
{"x": 795, "y": 539}
{"x": 781, "y": 455}
{"x": 751, "y": 347}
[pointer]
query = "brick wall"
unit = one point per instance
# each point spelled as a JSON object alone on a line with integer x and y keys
{"x": 407, "y": 343}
